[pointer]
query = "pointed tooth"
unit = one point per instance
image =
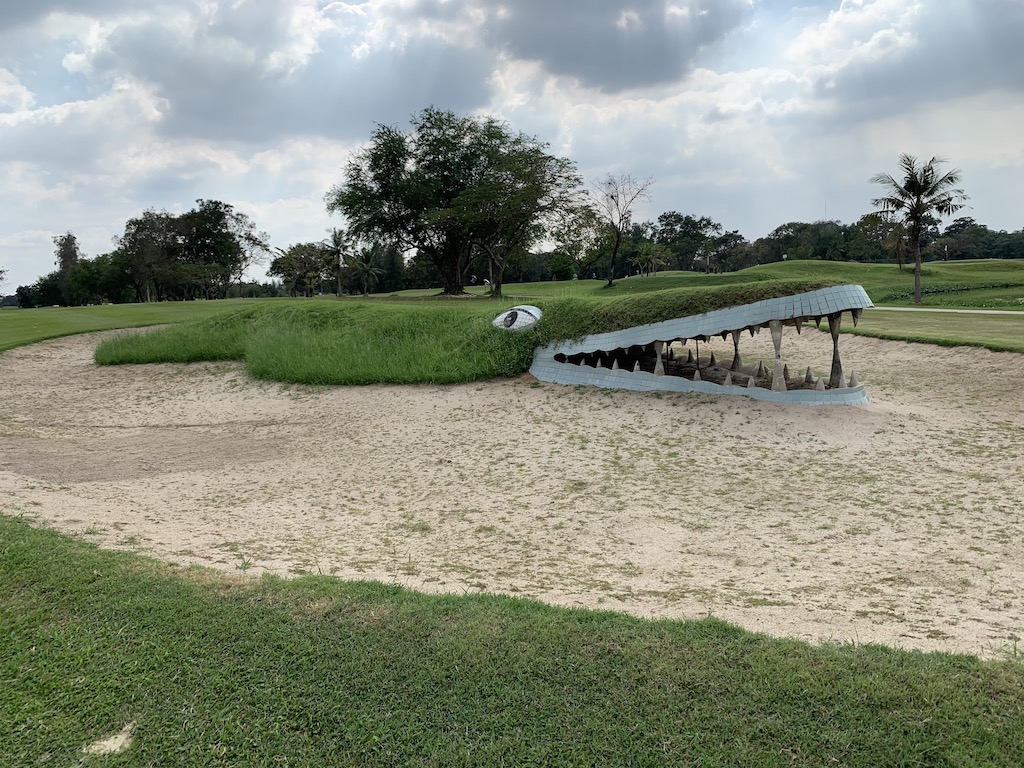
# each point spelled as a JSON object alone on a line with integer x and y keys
{"x": 855, "y": 314}
{"x": 751, "y": 329}
{"x": 696, "y": 374}
{"x": 853, "y": 380}
{"x": 713, "y": 362}
{"x": 817, "y": 322}
{"x": 842, "y": 382}
{"x": 615, "y": 364}
{"x": 819, "y": 384}
{"x": 636, "y": 367}
{"x": 750, "y": 382}
{"x": 725, "y": 335}
{"x": 809, "y": 376}
{"x": 689, "y": 355}
{"x": 659, "y": 368}
{"x": 798, "y": 324}
{"x": 728, "y": 379}
{"x": 778, "y": 380}
{"x": 761, "y": 371}
{"x": 737, "y": 362}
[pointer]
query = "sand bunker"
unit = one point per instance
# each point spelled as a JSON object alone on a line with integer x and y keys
{"x": 897, "y": 522}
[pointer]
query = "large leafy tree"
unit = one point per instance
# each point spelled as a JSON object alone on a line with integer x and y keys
{"x": 920, "y": 194}
{"x": 303, "y": 267}
{"x": 521, "y": 196}
{"x": 448, "y": 188}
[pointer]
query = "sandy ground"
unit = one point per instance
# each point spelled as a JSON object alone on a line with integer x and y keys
{"x": 898, "y": 522}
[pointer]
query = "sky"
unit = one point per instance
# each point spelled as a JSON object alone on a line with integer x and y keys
{"x": 753, "y": 112}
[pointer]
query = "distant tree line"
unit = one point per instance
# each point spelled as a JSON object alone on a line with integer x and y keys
{"x": 457, "y": 201}
{"x": 200, "y": 254}
{"x": 674, "y": 241}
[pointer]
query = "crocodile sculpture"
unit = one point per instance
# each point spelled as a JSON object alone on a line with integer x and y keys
{"x": 657, "y": 356}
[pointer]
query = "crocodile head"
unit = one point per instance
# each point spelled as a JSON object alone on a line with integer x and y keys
{"x": 659, "y": 355}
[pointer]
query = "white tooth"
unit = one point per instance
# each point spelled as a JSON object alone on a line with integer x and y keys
{"x": 615, "y": 364}
{"x": 819, "y": 384}
{"x": 853, "y": 380}
{"x": 842, "y": 381}
{"x": 636, "y": 367}
{"x": 750, "y": 382}
{"x": 696, "y": 374}
{"x": 778, "y": 381}
{"x": 808, "y": 377}
{"x": 728, "y": 379}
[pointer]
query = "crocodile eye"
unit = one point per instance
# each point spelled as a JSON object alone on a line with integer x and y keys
{"x": 518, "y": 318}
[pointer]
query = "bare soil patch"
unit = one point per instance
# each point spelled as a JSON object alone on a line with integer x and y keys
{"x": 898, "y": 522}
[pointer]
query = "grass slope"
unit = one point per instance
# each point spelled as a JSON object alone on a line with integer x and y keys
{"x": 27, "y": 326}
{"x": 368, "y": 342}
{"x": 314, "y": 671}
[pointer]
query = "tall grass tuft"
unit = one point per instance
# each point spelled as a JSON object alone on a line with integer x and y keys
{"x": 367, "y": 344}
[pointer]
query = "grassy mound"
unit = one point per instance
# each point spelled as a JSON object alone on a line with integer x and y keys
{"x": 372, "y": 342}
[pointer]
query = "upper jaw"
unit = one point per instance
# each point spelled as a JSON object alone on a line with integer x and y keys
{"x": 645, "y": 350}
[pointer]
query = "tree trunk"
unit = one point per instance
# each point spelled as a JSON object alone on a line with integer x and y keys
{"x": 917, "y": 274}
{"x": 615, "y": 255}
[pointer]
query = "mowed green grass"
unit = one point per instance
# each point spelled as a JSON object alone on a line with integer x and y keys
{"x": 1000, "y": 333}
{"x": 27, "y": 326}
{"x": 215, "y": 671}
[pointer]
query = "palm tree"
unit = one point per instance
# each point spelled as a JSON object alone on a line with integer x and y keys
{"x": 921, "y": 194}
{"x": 360, "y": 264}
{"x": 339, "y": 246}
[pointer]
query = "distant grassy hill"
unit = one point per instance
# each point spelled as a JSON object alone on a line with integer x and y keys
{"x": 989, "y": 283}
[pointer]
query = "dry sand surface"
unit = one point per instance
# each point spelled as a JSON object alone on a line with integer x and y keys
{"x": 897, "y": 522}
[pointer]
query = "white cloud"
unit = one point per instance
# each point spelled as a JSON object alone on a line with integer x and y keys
{"x": 753, "y": 112}
{"x": 14, "y": 95}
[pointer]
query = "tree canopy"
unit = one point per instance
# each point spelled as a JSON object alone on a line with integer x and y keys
{"x": 452, "y": 186}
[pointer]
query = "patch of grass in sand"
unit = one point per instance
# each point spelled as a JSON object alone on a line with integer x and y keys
{"x": 214, "y": 670}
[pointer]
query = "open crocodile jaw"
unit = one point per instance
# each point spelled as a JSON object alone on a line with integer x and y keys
{"x": 644, "y": 357}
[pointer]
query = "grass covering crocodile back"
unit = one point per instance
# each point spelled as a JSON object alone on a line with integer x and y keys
{"x": 576, "y": 317}
{"x": 367, "y": 342}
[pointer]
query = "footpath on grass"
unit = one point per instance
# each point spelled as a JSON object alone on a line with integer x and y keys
{"x": 1018, "y": 312}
